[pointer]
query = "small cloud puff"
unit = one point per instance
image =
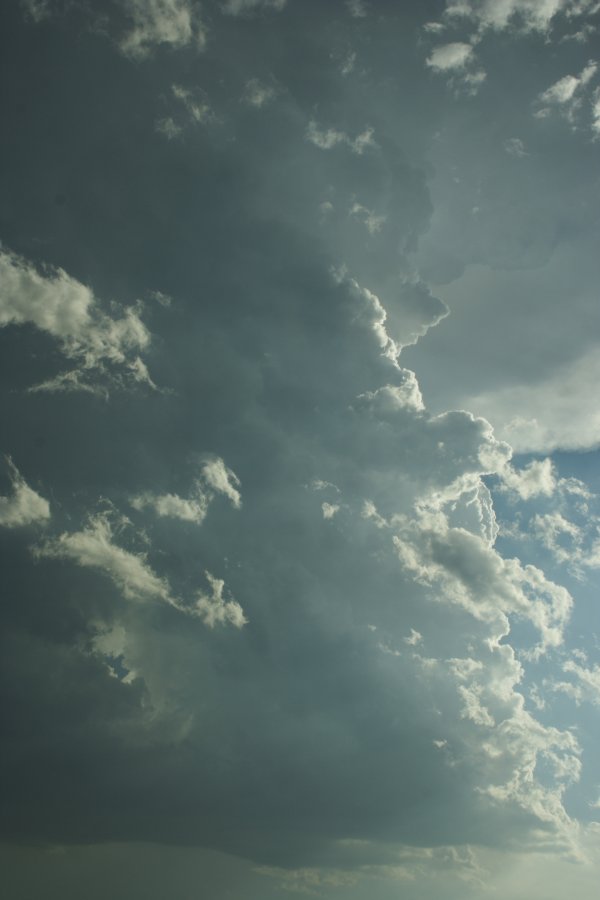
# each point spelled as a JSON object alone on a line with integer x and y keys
{"x": 329, "y": 510}
{"x": 534, "y": 480}
{"x": 69, "y": 312}
{"x": 23, "y": 506}
{"x": 566, "y": 95}
{"x": 515, "y": 147}
{"x": 192, "y": 108}
{"x": 215, "y": 478}
{"x": 258, "y": 94}
{"x": 455, "y": 60}
{"x": 331, "y": 137}
{"x": 213, "y": 609}
{"x": 450, "y": 56}
{"x": 173, "y": 23}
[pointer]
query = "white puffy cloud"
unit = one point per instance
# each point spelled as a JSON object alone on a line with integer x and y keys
{"x": 59, "y": 305}
{"x": 392, "y": 397}
{"x": 450, "y": 56}
{"x": 462, "y": 568}
{"x": 326, "y": 139}
{"x": 94, "y": 547}
{"x": 533, "y": 15}
{"x": 586, "y": 681}
{"x": 214, "y": 609}
{"x": 329, "y": 509}
{"x": 23, "y": 506}
{"x": 458, "y": 63}
{"x": 222, "y": 479}
{"x": 533, "y": 480}
{"x": 172, "y": 506}
{"x": 567, "y": 94}
{"x": 215, "y": 478}
{"x": 576, "y": 545}
{"x": 171, "y": 23}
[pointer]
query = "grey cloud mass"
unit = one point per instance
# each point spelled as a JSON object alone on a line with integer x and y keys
{"x": 297, "y": 330}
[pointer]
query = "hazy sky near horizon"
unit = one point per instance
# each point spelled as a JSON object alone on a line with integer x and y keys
{"x": 300, "y": 486}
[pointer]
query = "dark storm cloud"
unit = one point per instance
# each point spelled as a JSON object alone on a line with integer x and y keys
{"x": 284, "y": 233}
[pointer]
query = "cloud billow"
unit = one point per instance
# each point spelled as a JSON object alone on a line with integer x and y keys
{"x": 265, "y": 609}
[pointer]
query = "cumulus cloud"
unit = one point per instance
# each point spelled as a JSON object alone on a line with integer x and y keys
{"x": 392, "y": 397}
{"x": 531, "y": 15}
{"x": 52, "y": 301}
{"x": 533, "y": 480}
{"x": 457, "y": 62}
{"x": 172, "y": 506}
{"x": 215, "y": 478}
{"x": 450, "y": 56}
{"x": 171, "y": 23}
{"x": 567, "y": 94}
{"x": 462, "y": 568}
{"x": 326, "y": 139}
{"x": 373, "y": 712}
{"x": 94, "y": 547}
{"x": 23, "y": 506}
{"x": 222, "y": 480}
{"x": 214, "y": 609}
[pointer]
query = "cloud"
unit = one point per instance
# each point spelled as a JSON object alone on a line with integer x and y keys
{"x": 216, "y": 478}
{"x": 258, "y": 94}
{"x": 222, "y": 480}
{"x": 213, "y": 609}
{"x": 23, "y": 506}
{"x": 371, "y": 720}
{"x": 450, "y": 56}
{"x": 515, "y": 147}
{"x": 94, "y": 547}
{"x": 243, "y": 7}
{"x": 172, "y": 23}
{"x": 575, "y": 545}
{"x": 542, "y": 416}
{"x": 357, "y": 8}
{"x": 531, "y": 15}
{"x": 192, "y": 108}
{"x": 567, "y": 94}
{"x": 172, "y": 506}
{"x": 455, "y": 60}
{"x": 533, "y": 480}
{"x": 330, "y": 509}
{"x": 105, "y": 349}
{"x": 329, "y": 138}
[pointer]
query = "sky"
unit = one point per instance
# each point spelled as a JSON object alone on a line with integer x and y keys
{"x": 299, "y": 472}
